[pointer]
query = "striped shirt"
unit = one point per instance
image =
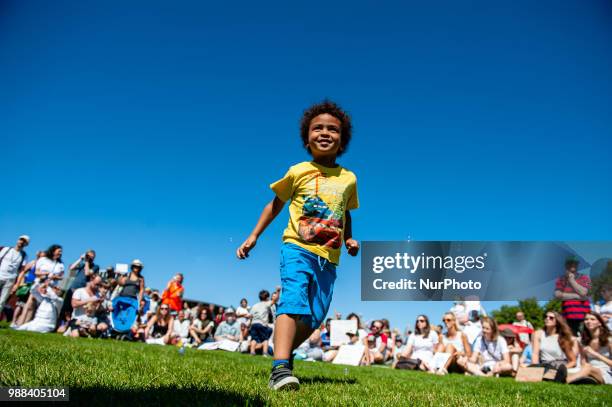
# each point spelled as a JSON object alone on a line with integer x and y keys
{"x": 574, "y": 309}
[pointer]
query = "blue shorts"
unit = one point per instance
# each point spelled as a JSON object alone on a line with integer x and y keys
{"x": 307, "y": 284}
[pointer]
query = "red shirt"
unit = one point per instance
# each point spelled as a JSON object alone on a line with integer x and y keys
{"x": 574, "y": 309}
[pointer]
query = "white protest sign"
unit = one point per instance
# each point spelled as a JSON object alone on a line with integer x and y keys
{"x": 340, "y": 328}
{"x": 121, "y": 268}
{"x": 349, "y": 355}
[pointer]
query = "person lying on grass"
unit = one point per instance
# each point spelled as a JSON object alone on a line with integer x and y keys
{"x": 321, "y": 193}
{"x": 490, "y": 355}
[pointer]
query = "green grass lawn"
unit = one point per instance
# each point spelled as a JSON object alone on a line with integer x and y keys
{"x": 108, "y": 373}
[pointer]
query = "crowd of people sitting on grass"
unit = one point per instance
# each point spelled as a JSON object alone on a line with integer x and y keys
{"x": 467, "y": 341}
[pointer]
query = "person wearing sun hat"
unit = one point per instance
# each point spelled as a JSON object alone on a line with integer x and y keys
{"x": 12, "y": 261}
{"x": 573, "y": 290}
{"x": 134, "y": 283}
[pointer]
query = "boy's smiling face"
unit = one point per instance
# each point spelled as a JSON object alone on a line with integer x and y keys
{"x": 324, "y": 136}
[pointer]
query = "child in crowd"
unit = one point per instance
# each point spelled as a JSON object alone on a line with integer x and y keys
{"x": 85, "y": 324}
{"x": 321, "y": 193}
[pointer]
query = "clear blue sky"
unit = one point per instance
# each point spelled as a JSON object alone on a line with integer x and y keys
{"x": 152, "y": 131}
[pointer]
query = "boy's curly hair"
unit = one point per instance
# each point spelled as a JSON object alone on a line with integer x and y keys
{"x": 329, "y": 107}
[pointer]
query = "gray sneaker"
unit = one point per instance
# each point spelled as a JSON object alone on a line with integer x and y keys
{"x": 282, "y": 378}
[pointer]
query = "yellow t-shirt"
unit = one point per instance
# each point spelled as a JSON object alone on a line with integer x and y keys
{"x": 319, "y": 198}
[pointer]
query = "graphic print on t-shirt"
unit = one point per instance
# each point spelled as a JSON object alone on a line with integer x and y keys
{"x": 319, "y": 223}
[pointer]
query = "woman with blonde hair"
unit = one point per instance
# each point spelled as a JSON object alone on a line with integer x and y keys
{"x": 455, "y": 343}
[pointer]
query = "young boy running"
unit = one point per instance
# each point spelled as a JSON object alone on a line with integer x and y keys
{"x": 321, "y": 194}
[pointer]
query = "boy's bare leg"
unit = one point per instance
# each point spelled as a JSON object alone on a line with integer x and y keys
{"x": 25, "y": 313}
{"x": 289, "y": 333}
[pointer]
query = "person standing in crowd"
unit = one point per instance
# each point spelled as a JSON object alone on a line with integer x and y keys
{"x": 553, "y": 346}
{"x": 573, "y": 290}
{"x": 12, "y": 261}
{"x": 133, "y": 284}
{"x": 49, "y": 266}
{"x": 49, "y": 295}
{"x": 596, "y": 344}
{"x": 422, "y": 343}
{"x": 83, "y": 268}
{"x": 455, "y": 343}
{"x": 490, "y": 355}
{"x": 173, "y": 294}
{"x": 521, "y": 321}
{"x": 260, "y": 331}
{"x": 243, "y": 312}
{"x": 107, "y": 274}
{"x": 24, "y": 283}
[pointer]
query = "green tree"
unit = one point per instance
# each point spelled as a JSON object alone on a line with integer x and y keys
{"x": 506, "y": 314}
{"x": 534, "y": 313}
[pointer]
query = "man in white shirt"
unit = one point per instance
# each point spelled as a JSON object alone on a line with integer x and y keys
{"x": 181, "y": 327}
{"x": 521, "y": 321}
{"x": 12, "y": 260}
{"x": 84, "y": 296}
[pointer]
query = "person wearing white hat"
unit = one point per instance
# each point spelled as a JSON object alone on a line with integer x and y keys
{"x": 12, "y": 261}
{"x": 228, "y": 329}
{"x": 134, "y": 283}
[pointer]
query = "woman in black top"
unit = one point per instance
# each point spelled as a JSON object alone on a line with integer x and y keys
{"x": 133, "y": 284}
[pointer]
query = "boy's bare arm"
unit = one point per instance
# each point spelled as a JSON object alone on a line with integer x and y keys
{"x": 270, "y": 211}
{"x": 352, "y": 246}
